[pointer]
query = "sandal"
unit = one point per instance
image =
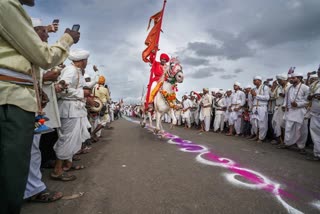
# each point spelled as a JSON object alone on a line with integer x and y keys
{"x": 63, "y": 177}
{"x": 74, "y": 168}
{"x": 46, "y": 196}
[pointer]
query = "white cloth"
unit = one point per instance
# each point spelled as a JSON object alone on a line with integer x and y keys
{"x": 315, "y": 133}
{"x": 238, "y": 99}
{"x": 219, "y": 105}
{"x": 259, "y": 115}
{"x": 73, "y": 132}
{"x": 296, "y": 131}
{"x": 34, "y": 183}
{"x": 78, "y": 54}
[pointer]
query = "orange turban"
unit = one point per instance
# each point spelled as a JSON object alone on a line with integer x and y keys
{"x": 101, "y": 80}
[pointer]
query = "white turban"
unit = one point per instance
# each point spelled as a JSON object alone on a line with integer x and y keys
{"x": 297, "y": 75}
{"x": 237, "y": 84}
{"x": 257, "y": 78}
{"x": 78, "y": 54}
{"x": 281, "y": 77}
{"x": 36, "y": 22}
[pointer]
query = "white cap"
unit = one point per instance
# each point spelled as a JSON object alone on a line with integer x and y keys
{"x": 282, "y": 77}
{"x": 229, "y": 90}
{"x": 78, "y": 54}
{"x": 36, "y": 22}
{"x": 297, "y": 75}
{"x": 237, "y": 84}
{"x": 257, "y": 78}
{"x": 248, "y": 86}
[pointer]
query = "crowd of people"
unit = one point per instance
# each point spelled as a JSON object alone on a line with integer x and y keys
{"x": 51, "y": 111}
{"x": 282, "y": 111}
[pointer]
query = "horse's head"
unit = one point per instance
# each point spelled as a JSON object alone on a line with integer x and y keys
{"x": 175, "y": 70}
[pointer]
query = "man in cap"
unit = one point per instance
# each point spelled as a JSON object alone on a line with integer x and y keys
{"x": 103, "y": 94}
{"x": 220, "y": 106}
{"x": 186, "y": 114}
{"x": 205, "y": 114}
{"x": 314, "y": 109}
{"x": 22, "y": 53}
{"x": 73, "y": 115}
{"x": 295, "y": 102}
{"x": 278, "y": 124}
{"x": 238, "y": 100}
{"x": 260, "y": 96}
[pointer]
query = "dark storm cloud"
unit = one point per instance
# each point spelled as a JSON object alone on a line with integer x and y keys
{"x": 205, "y": 72}
{"x": 228, "y": 76}
{"x": 238, "y": 70}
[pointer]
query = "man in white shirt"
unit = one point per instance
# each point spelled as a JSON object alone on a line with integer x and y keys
{"x": 238, "y": 100}
{"x": 259, "y": 118}
{"x": 295, "y": 103}
{"x": 278, "y": 124}
{"x": 186, "y": 113}
{"x": 314, "y": 98}
{"x": 220, "y": 107}
{"x": 73, "y": 114}
{"x": 205, "y": 114}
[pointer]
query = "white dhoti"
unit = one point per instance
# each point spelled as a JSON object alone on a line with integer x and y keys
{"x": 195, "y": 117}
{"x": 73, "y": 132}
{"x": 34, "y": 183}
{"x": 259, "y": 121}
{"x": 178, "y": 116}
{"x": 234, "y": 119}
{"x": 296, "y": 133}
{"x": 218, "y": 121}
{"x": 277, "y": 121}
{"x": 315, "y": 133}
{"x": 186, "y": 117}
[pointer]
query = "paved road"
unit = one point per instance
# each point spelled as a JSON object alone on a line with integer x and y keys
{"x": 134, "y": 171}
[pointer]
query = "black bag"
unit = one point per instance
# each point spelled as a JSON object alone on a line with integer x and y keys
{"x": 103, "y": 110}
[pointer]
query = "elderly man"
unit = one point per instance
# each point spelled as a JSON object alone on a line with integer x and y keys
{"x": 238, "y": 100}
{"x": 314, "y": 109}
{"x": 295, "y": 102}
{"x": 73, "y": 115}
{"x": 186, "y": 113}
{"x": 205, "y": 114}
{"x": 259, "y": 118}
{"x": 22, "y": 53}
{"x": 220, "y": 107}
{"x": 278, "y": 124}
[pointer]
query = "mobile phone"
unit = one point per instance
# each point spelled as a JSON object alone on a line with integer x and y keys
{"x": 76, "y": 27}
{"x": 56, "y": 21}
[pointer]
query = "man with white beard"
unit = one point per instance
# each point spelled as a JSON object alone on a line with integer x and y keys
{"x": 73, "y": 114}
{"x": 296, "y": 130}
{"x": 220, "y": 106}
{"x": 238, "y": 100}
{"x": 186, "y": 114}
{"x": 259, "y": 117}
{"x": 314, "y": 98}
{"x": 278, "y": 124}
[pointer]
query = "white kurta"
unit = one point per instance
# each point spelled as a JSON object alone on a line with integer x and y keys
{"x": 74, "y": 121}
{"x": 296, "y": 130}
{"x": 238, "y": 99}
{"x": 219, "y": 105}
{"x": 206, "y": 111}
{"x": 277, "y": 119}
{"x": 259, "y": 115}
{"x": 315, "y": 119}
{"x": 186, "y": 115}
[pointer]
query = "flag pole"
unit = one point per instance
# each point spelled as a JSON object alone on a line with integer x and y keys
{"x": 156, "y": 51}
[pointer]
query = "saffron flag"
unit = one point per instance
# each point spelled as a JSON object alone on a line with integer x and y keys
{"x": 152, "y": 39}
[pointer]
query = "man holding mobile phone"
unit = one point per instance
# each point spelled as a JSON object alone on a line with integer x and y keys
{"x": 22, "y": 53}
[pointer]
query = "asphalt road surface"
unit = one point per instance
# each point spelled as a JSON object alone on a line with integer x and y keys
{"x": 131, "y": 170}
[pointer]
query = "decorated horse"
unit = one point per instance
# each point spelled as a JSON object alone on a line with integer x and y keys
{"x": 165, "y": 95}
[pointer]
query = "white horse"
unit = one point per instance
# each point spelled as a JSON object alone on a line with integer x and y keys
{"x": 162, "y": 101}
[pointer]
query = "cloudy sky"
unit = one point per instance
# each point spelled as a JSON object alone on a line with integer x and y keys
{"x": 218, "y": 41}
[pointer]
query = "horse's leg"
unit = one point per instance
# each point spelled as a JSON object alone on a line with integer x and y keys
{"x": 143, "y": 122}
{"x": 174, "y": 119}
{"x": 150, "y": 119}
{"x": 158, "y": 122}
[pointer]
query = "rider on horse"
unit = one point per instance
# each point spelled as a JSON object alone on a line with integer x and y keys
{"x": 158, "y": 69}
